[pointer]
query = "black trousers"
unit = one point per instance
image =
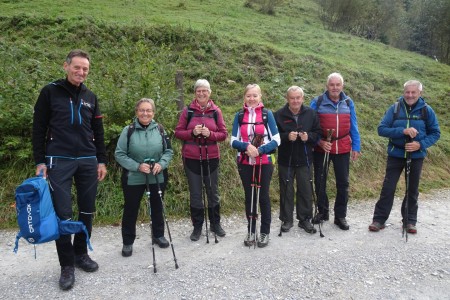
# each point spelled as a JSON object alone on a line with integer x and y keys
{"x": 394, "y": 168}
{"x": 341, "y": 166}
{"x": 132, "y": 196}
{"x": 246, "y": 174}
{"x": 303, "y": 194}
{"x": 61, "y": 174}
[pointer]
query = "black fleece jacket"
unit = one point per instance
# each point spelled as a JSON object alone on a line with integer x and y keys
{"x": 294, "y": 152}
{"x": 67, "y": 123}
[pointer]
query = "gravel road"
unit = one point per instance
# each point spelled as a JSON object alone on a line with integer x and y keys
{"x": 354, "y": 264}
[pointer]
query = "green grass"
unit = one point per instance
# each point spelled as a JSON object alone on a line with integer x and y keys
{"x": 137, "y": 46}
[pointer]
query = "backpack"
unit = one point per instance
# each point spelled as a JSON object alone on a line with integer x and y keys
{"x": 190, "y": 114}
{"x": 423, "y": 115}
{"x": 165, "y": 141}
{"x": 36, "y": 217}
{"x": 264, "y": 118}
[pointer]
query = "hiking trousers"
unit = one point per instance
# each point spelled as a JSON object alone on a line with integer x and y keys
{"x": 394, "y": 168}
{"x": 62, "y": 172}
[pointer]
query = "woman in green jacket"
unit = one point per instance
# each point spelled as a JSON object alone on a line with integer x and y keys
{"x": 144, "y": 151}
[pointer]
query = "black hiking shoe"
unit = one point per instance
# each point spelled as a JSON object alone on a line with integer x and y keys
{"x": 320, "y": 217}
{"x": 161, "y": 242}
{"x": 342, "y": 223}
{"x": 218, "y": 230}
{"x": 307, "y": 226}
{"x": 85, "y": 263}
{"x": 127, "y": 250}
{"x": 286, "y": 226}
{"x": 196, "y": 233}
{"x": 67, "y": 278}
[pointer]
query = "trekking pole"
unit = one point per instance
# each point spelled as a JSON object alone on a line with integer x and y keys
{"x": 258, "y": 188}
{"x": 164, "y": 212}
{"x": 150, "y": 216}
{"x": 203, "y": 190}
{"x": 312, "y": 188}
{"x": 210, "y": 191}
{"x": 287, "y": 180}
{"x": 251, "y": 216}
{"x": 408, "y": 170}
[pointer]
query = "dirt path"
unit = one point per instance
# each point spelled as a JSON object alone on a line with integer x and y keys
{"x": 354, "y": 264}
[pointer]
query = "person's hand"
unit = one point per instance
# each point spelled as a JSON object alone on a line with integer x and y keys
{"x": 354, "y": 155}
{"x": 201, "y": 130}
{"x": 293, "y": 136}
{"x": 411, "y": 132}
{"x": 413, "y": 146}
{"x": 41, "y": 168}
{"x": 252, "y": 151}
{"x": 156, "y": 168}
{"x": 205, "y": 131}
{"x": 303, "y": 136}
{"x": 326, "y": 146}
{"x": 144, "y": 168}
{"x": 101, "y": 172}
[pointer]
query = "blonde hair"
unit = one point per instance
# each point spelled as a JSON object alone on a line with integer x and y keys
{"x": 251, "y": 86}
{"x": 147, "y": 100}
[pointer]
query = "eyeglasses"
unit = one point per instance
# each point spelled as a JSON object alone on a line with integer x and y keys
{"x": 145, "y": 111}
{"x": 202, "y": 91}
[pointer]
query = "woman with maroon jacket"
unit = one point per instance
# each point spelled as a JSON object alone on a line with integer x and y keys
{"x": 200, "y": 127}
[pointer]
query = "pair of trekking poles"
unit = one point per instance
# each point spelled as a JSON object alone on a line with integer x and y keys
{"x": 151, "y": 162}
{"x": 203, "y": 142}
{"x": 323, "y": 178}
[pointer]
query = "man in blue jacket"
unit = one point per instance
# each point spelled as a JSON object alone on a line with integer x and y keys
{"x": 411, "y": 126}
{"x": 68, "y": 146}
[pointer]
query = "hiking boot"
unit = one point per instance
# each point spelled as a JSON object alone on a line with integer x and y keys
{"x": 286, "y": 226}
{"x": 161, "y": 241}
{"x": 307, "y": 226}
{"x": 410, "y": 228}
{"x": 196, "y": 233}
{"x": 376, "y": 226}
{"x": 85, "y": 263}
{"x": 127, "y": 250}
{"x": 249, "y": 240}
{"x": 263, "y": 240}
{"x": 67, "y": 278}
{"x": 218, "y": 230}
{"x": 320, "y": 217}
{"x": 341, "y": 223}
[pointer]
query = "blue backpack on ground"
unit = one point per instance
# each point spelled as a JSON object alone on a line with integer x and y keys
{"x": 38, "y": 222}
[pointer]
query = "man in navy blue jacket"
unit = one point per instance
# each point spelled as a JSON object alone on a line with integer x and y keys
{"x": 68, "y": 146}
{"x": 411, "y": 126}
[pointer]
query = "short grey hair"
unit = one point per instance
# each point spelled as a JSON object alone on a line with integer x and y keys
{"x": 202, "y": 83}
{"x": 77, "y": 53}
{"x": 147, "y": 100}
{"x": 295, "y": 88}
{"x": 415, "y": 83}
{"x": 335, "y": 75}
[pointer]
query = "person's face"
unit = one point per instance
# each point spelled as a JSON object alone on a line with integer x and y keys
{"x": 295, "y": 100}
{"x": 411, "y": 94}
{"x": 202, "y": 94}
{"x": 334, "y": 87}
{"x": 252, "y": 97}
{"x": 77, "y": 70}
{"x": 145, "y": 113}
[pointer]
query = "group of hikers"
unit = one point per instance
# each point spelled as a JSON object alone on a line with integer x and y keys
{"x": 68, "y": 146}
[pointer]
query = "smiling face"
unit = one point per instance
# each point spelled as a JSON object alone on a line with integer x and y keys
{"x": 145, "y": 113}
{"x": 77, "y": 70}
{"x": 411, "y": 94}
{"x": 334, "y": 88}
{"x": 202, "y": 95}
{"x": 295, "y": 100}
{"x": 252, "y": 96}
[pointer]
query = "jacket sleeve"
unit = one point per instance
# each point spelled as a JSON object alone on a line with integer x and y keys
{"x": 284, "y": 135}
{"x": 433, "y": 132}
{"x": 316, "y": 131}
{"x": 385, "y": 128}
{"x": 274, "y": 135}
{"x": 121, "y": 154}
{"x": 41, "y": 119}
{"x": 236, "y": 136}
{"x": 180, "y": 130}
{"x": 221, "y": 133}
{"x": 99, "y": 134}
{"x": 354, "y": 131}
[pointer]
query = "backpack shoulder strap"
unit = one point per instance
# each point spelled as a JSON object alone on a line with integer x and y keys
{"x": 319, "y": 101}
{"x": 190, "y": 113}
{"x": 131, "y": 129}
{"x": 396, "y": 108}
{"x": 240, "y": 116}
{"x": 163, "y": 136}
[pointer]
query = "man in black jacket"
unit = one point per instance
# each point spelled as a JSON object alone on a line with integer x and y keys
{"x": 299, "y": 131}
{"x": 68, "y": 145}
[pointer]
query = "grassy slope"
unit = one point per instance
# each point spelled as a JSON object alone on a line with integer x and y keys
{"x": 296, "y": 50}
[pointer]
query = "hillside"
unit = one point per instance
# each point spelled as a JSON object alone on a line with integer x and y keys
{"x": 137, "y": 46}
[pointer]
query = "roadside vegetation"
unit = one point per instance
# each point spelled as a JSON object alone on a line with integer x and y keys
{"x": 138, "y": 46}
